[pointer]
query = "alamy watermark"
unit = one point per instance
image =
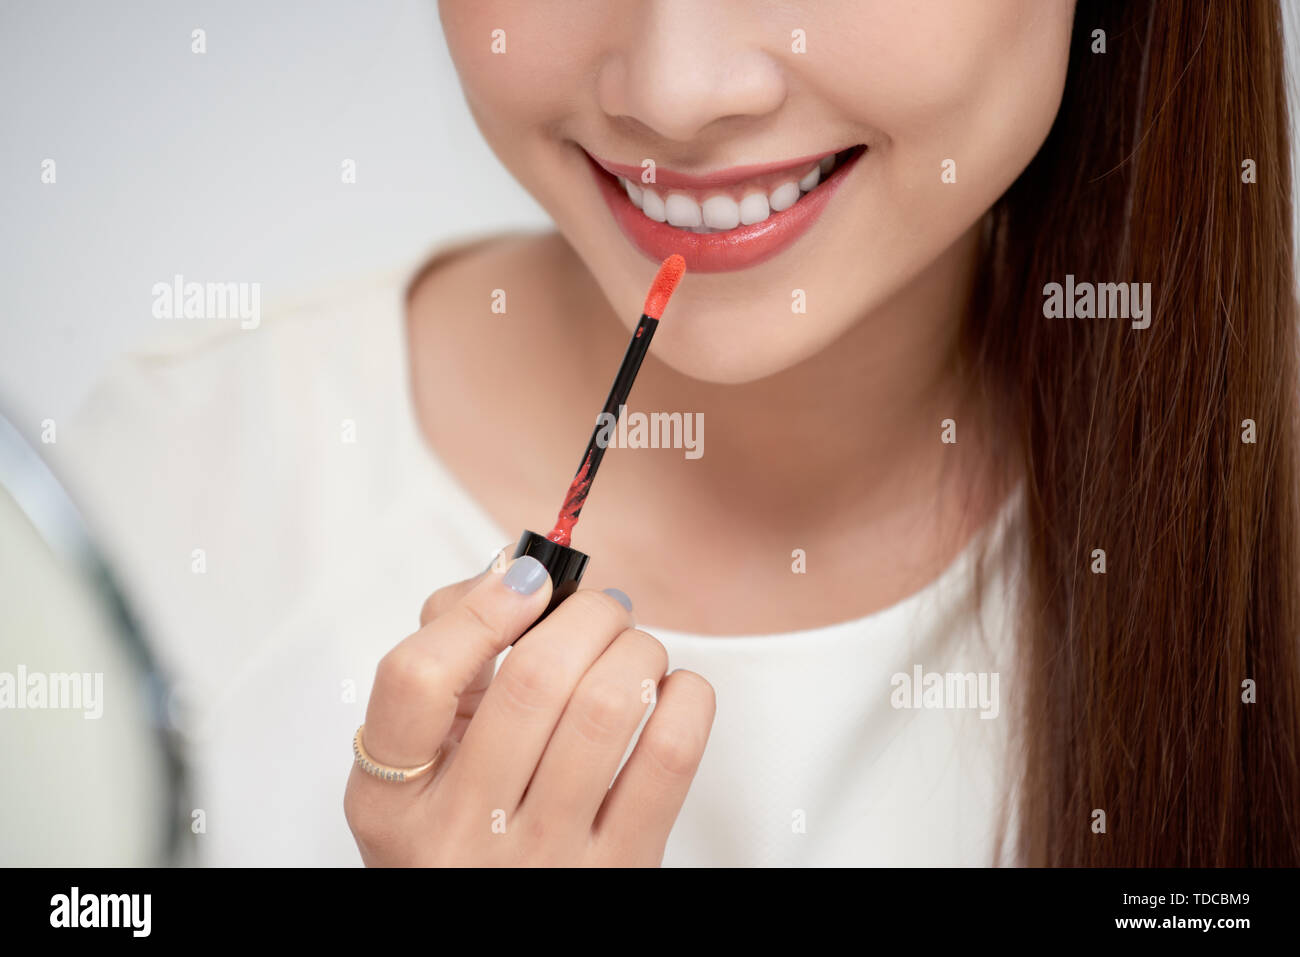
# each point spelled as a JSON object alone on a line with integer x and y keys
{"x": 59, "y": 691}
{"x": 654, "y": 430}
{"x": 1104, "y": 300}
{"x": 75, "y": 909}
{"x": 179, "y": 299}
{"x": 946, "y": 691}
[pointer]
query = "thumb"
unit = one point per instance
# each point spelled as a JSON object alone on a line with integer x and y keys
{"x": 467, "y": 701}
{"x": 445, "y": 597}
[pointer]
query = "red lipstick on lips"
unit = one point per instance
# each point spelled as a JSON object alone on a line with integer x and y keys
{"x": 733, "y": 249}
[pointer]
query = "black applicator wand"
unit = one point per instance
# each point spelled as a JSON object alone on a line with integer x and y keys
{"x": 564, "y": 563}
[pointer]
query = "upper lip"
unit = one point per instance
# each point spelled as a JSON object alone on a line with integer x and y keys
{"x": 731, "y": 176}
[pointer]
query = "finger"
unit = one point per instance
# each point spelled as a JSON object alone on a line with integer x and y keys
{"x": 438, "y": 603}
{"x": 592, "y": 737}
{"x": 419, "y": 683}
{"x": 637, "y": 816}
{"x": 505, "y": 741}
{"x": 468, "y": 701}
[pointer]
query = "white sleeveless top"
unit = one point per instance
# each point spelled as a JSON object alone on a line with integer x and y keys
{"x": 274, "y": 563}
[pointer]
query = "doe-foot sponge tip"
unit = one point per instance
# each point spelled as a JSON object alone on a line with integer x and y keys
{"x": 670, "y": 274}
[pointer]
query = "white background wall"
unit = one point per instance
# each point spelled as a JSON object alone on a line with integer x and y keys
{"x": 221, "y": 167}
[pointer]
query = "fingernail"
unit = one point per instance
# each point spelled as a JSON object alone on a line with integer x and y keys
{"x": 525, "y": 575}
{"x": 499, "y": 559}
{"x": 619, "y": 597}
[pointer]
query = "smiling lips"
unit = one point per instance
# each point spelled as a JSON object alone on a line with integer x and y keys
{"x": 724, "y": 221}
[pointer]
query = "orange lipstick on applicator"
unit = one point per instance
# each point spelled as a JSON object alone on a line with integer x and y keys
{"x": 565, "y": 563}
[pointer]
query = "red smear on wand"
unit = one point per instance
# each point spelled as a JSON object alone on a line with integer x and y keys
{"x": 661, "y": 290}
{"x": 562, "y": 534}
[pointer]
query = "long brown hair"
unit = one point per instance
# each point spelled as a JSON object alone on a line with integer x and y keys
{"x": 1132, "y": 442}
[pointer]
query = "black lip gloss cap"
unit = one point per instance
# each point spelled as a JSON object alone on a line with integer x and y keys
{"x": 565, "y": 565}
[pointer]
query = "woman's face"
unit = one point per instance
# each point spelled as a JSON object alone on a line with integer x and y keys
{"x": 731, "y": 105}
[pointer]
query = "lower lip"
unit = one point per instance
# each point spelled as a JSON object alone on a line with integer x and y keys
{"x": 737, "y": 248}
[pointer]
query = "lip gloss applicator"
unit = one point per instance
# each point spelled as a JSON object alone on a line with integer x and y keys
{"x": 565, "y": 563}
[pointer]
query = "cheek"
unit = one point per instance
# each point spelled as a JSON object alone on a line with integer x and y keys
{"x": 518, "y": 66}
{"x": 977, "y": 83}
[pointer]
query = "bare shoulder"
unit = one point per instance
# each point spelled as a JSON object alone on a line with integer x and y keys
{"x": 485, "y": 325}
{"x": 485, "y": 310}
{"x": 476, "y": 280}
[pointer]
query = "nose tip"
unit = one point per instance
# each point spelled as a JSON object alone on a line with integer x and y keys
{"x": 681, "y": 75}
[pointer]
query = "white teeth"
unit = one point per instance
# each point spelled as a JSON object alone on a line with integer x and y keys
{"x": 784, "y": 196}
{"x": 754, "y": 209}
{"x": 653, "y": 206}
{"x": 721, "y": 212}
{"x": 683, "y": 211}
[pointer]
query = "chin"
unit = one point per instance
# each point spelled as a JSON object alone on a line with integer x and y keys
{"x": 725, "y": 358}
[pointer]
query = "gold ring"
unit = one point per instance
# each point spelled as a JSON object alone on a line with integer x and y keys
{"x": 383, "y": 771}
